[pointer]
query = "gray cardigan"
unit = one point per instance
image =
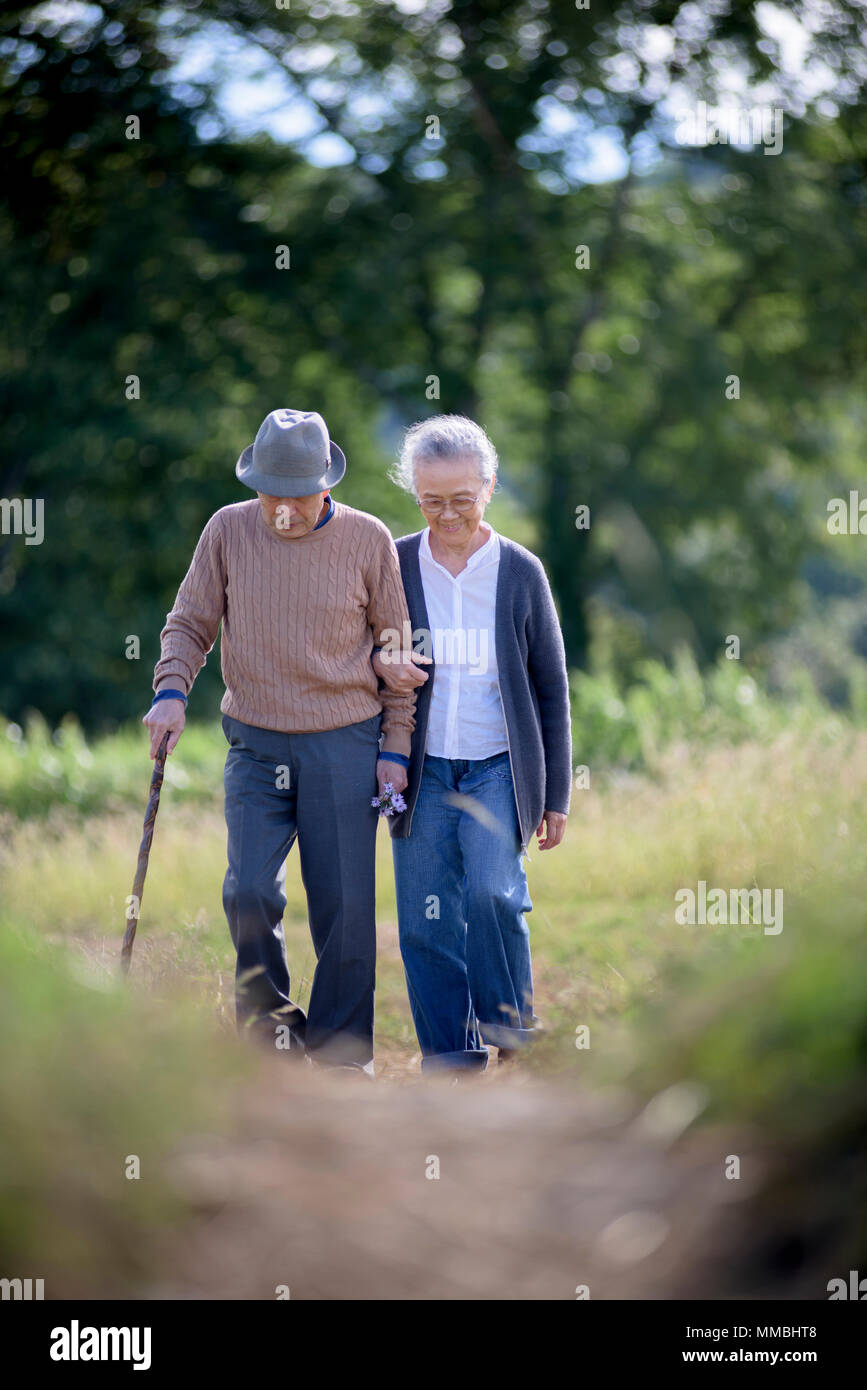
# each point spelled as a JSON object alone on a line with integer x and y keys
{"x": 533, "y": 685}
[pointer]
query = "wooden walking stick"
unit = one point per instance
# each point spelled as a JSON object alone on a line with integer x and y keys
{"x": 144, "y": 849}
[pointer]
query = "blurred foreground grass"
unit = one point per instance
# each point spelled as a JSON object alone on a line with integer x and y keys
{"x": 766, "y": 1029}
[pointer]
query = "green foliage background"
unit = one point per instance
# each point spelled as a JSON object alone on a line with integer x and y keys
{"x": 453, "y": 257}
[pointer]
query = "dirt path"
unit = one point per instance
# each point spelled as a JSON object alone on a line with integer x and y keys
{"x": 328, "y": 1186}
{"x": 539, "y": 1190}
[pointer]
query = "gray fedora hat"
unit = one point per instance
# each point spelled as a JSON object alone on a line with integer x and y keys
{"x": 291, "y": 456}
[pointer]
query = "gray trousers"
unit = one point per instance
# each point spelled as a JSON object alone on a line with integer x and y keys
{"x": 316, "y": 787}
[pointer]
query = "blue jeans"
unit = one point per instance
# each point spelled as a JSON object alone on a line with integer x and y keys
{"x": 461, "y": 898}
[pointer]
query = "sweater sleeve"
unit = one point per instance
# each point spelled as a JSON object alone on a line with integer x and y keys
{"x": 192, "y": 625}
{"x": 548, "y": 673}
{"x": 386, "y": 610}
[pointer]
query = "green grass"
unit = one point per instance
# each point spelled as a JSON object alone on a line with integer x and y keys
{"x": 613, "y": 728}
{"x": 773, "y": 1029}
{"x": 42, "y": 769}
{"x": 94, "y": 1075}
{"x": 607, "y": 950}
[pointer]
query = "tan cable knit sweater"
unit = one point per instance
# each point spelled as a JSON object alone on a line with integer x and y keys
{"x": 299, "y": 621}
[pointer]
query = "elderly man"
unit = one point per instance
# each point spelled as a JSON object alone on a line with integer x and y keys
{"x": 303, "y": 587}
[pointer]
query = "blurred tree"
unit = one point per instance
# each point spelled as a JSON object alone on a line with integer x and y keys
{"x": 146, "y": 333}
{"x": 444, "y": 248}
{"x": 468, "y": 123}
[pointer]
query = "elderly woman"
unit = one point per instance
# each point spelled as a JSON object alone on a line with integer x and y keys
{"x": 490, "y": 761}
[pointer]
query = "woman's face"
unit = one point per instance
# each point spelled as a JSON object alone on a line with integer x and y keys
{"x": 444, "y": 482}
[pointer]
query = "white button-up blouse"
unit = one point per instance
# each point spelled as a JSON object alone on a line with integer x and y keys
{"x": 466, "y": 718}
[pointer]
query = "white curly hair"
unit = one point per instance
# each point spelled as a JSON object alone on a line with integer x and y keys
{"x": 443, "y": 437}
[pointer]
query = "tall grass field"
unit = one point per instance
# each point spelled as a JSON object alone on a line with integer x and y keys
{"x": 681, "y": 782}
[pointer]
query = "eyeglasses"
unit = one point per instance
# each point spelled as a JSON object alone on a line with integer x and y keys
{"x": 460, "y": 504}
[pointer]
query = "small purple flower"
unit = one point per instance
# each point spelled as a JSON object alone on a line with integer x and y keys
{"x": 390, "y": 802}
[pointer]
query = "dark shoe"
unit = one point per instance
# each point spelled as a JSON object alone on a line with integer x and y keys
{"x": 281, "y": 1032}
{"x": 356, "y": 1068}
{"x": 293, "y": 1018}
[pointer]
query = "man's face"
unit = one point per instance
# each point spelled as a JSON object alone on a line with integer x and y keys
{"x": 291, "y": 517}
